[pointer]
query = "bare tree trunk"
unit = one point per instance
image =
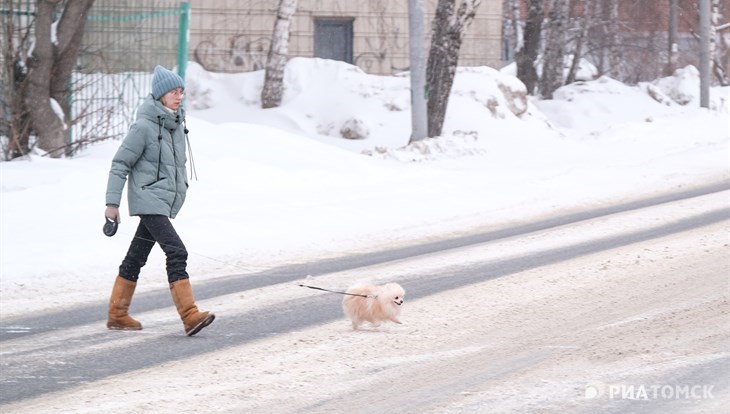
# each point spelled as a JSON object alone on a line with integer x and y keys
{"x": 672, "y": 39}
{"x": 70, "y": 32}
{"x": 19, "y": 128}
{"x": 515, "y": 18}
{"x": 50, "y": 67}
{"x": 717, "y": 68}
{"x": 723, "y": 58}
{"x": 585, "y": 24}
{"x": 552, "y": 67}
{"x": 511, "y": 29}
{"x": 715, "y": 63}
{"x": 15, "y": 121}
{"x": 615, "y": 56}
{"x": 605, "y": 37}
{"x": 443, "y": 57}
{"x": 47, "y": 125}
{"x": 273, "y": 89}
{"x": 527, "y": 55}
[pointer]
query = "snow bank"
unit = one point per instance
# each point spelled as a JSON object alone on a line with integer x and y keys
{"x": 281, "y": 186}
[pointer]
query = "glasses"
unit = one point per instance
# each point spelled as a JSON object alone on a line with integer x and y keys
{"x": 178, "y": 93}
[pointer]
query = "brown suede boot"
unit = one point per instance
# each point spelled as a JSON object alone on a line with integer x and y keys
{"x": 119, "y": 305}
{"x": 193, "y": 320}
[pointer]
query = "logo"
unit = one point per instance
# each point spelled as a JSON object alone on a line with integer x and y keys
{"x": 647, "y": 392}
{"x": 595, "y": 390}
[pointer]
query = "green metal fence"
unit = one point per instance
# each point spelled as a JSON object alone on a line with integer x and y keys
{"x": 16, "y": 19}
{"x": 122, "y": 43}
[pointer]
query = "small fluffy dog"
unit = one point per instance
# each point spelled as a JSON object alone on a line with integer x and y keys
{"x": 374, "y": 304}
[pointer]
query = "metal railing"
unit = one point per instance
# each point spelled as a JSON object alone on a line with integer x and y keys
{"x": 122, "y": 43}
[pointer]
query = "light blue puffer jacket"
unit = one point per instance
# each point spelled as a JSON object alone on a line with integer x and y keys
{"x": 153, "y": 157}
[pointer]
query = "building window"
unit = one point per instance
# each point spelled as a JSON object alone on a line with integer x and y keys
{"x": 333, "y": 39}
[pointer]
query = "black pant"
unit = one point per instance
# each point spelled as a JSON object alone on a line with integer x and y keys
{"x": 151, "y": 230}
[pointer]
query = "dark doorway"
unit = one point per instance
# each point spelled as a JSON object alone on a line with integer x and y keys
{"x": 333, "y": 39}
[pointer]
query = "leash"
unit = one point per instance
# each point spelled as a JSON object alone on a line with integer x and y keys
{"x": 110, "y": 228}
{"x": 334, "y": 291}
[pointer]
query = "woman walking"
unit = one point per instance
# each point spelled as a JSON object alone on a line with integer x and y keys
{"x": 152, "y": 160}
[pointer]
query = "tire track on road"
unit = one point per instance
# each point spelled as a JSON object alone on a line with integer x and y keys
{"x": 29, "y": 374}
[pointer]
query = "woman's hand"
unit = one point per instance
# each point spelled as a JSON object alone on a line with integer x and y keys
{"x": 112, "y": 213}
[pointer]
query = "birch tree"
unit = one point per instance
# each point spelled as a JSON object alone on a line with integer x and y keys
{"x": 515, "y": 19}
{"x": 552, "y": 67}
{"x": 717, "y": 67}
{"x": 719, "y": 46}
{"x": 614, "y": 32}
{"x": 449, "y": 26}
{"x": 609, "y": 40}
{"x": 273, "y": 89}
{"x": 56, "y": 47}
{"x": 672, "y": 37}
{"x": 526, "y": 56}
{"x": 584, "y": 22}
{"x": 511, "y": 26}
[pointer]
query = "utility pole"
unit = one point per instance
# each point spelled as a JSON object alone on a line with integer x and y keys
{"x": 705, "y": 53}
{"x": 419, "y": 93}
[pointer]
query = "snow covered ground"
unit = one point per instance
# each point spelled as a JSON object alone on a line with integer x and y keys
{"x": 282, "y": 185}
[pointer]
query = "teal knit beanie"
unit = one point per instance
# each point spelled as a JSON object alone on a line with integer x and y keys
{"x": 163, "y": 81}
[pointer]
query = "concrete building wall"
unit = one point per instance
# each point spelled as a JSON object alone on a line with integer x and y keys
{"x": 234, "y": 35}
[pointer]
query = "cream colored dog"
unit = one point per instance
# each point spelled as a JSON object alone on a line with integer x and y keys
{"x": 374, "y": 304}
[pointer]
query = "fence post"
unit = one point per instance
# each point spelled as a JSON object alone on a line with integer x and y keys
{"x": 182, "y": 44}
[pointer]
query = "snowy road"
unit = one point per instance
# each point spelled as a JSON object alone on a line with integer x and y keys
{"x": 586, "y": 312}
